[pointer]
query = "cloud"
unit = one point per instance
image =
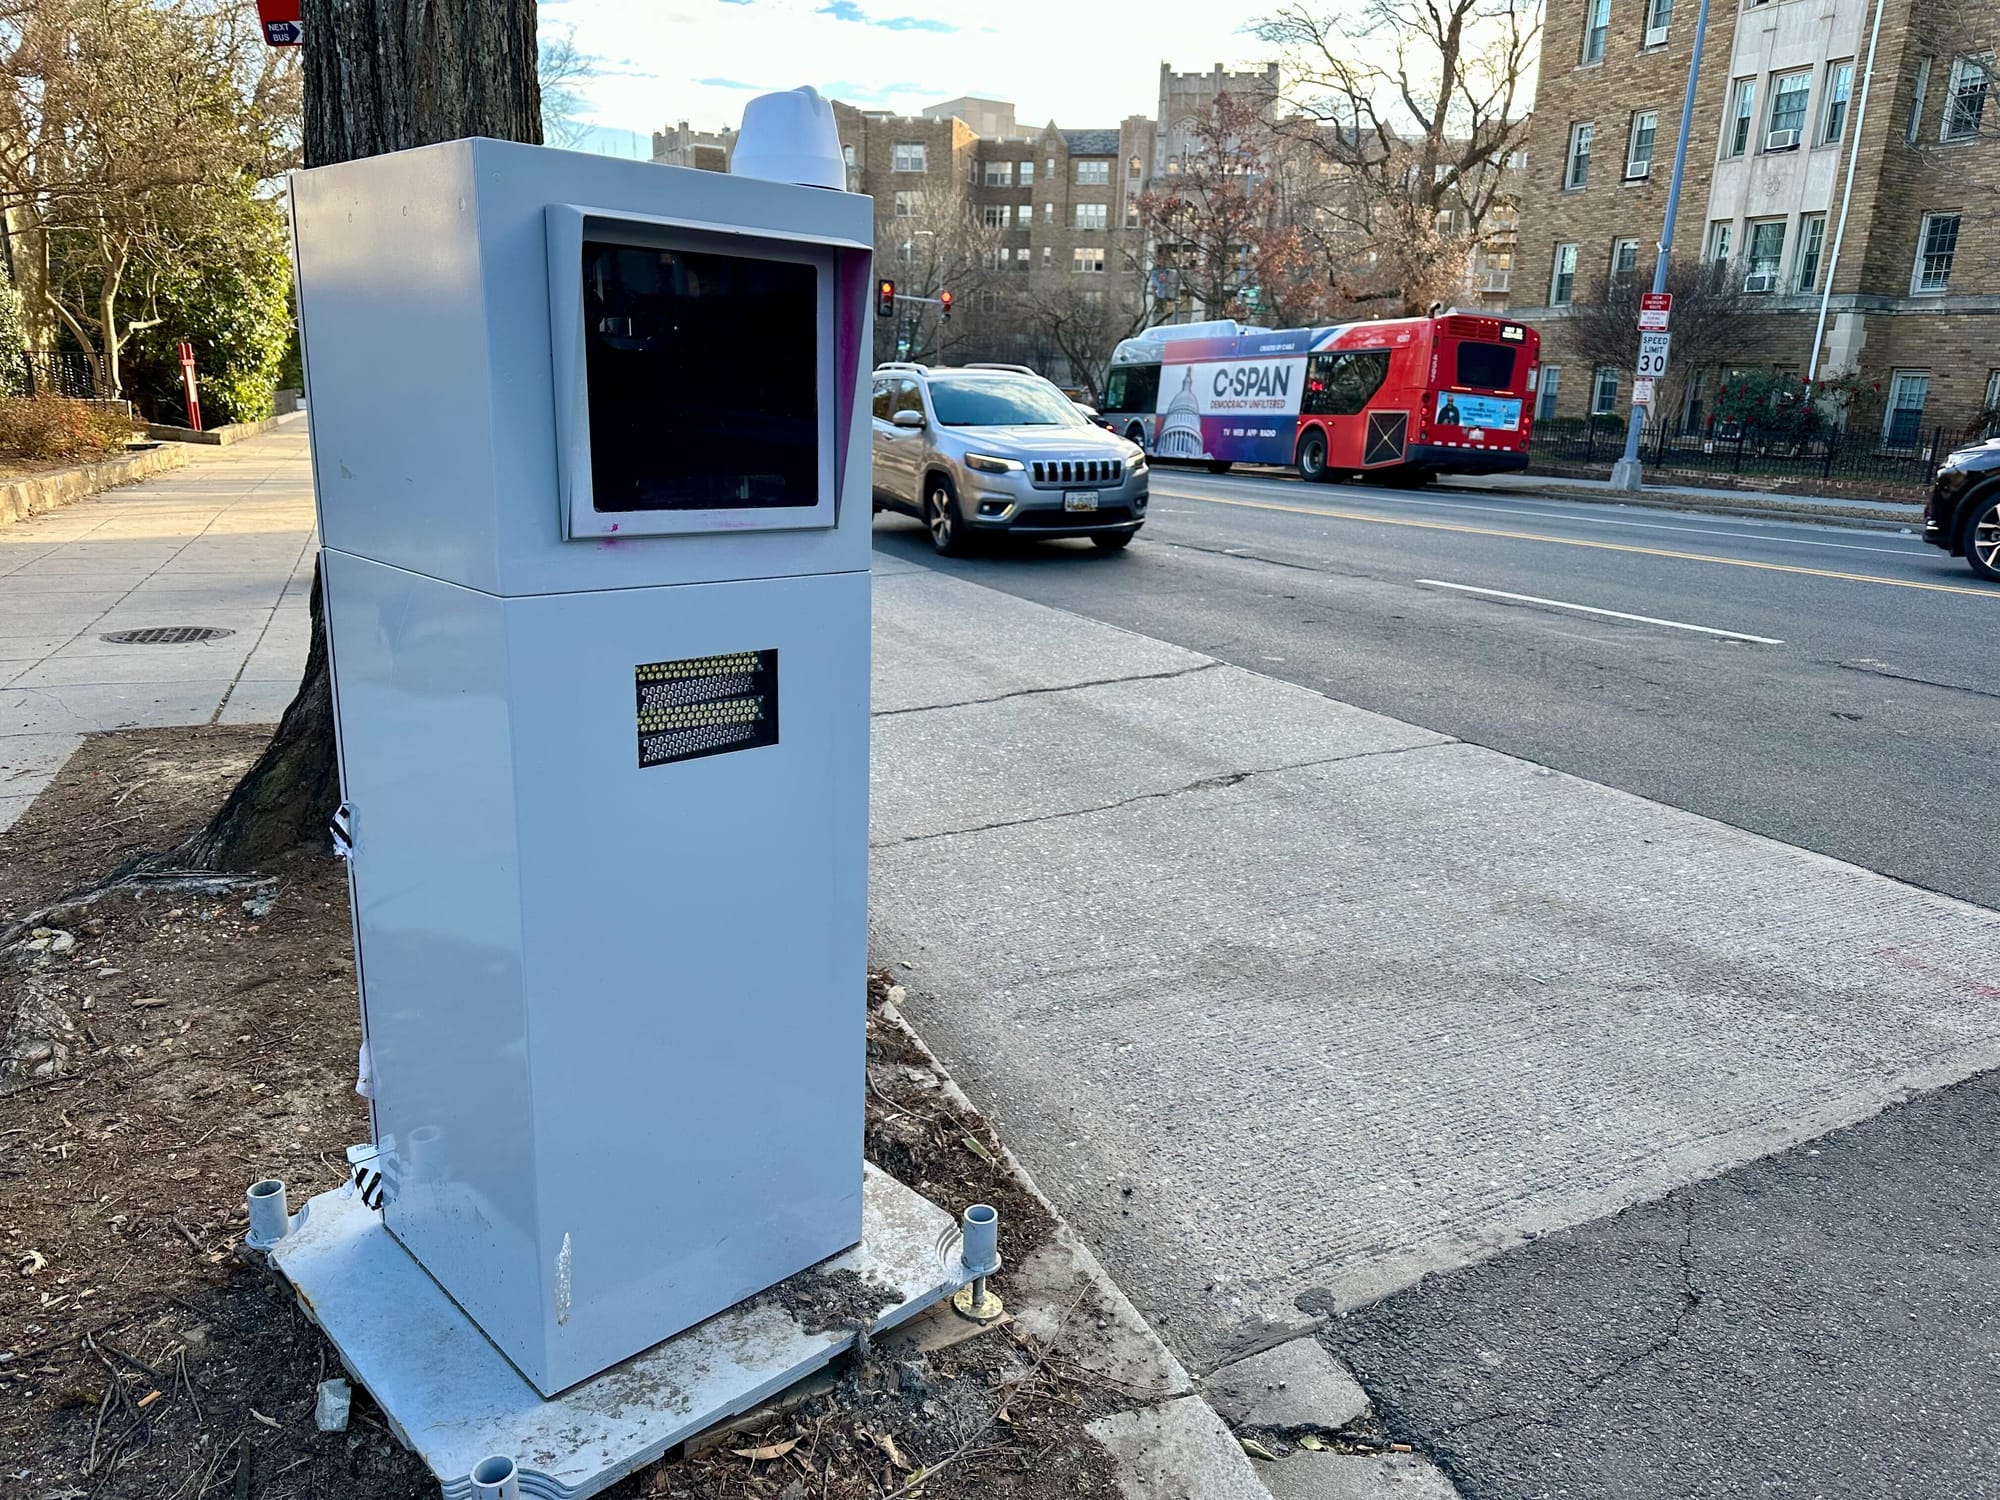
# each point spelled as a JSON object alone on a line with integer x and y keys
{"x": 727, "y": 83}
{"x": 848, "y": 10}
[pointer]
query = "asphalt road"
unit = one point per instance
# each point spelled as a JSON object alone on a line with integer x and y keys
{"x": 1820, "y": 1323}
{"x": 1863, "y": 724}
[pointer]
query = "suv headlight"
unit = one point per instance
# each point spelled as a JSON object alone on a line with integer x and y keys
{"x": 987, "y": 464}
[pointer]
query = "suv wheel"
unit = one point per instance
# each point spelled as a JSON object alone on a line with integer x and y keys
{"x": 941, "y": 516}
{"x": 1982, "y": 536}
{"x": 1312, "y": 458}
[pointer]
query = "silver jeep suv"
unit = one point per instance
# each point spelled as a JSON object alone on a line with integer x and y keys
{"x": 988, "y": 450}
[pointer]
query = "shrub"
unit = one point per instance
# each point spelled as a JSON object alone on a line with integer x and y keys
{"x": 41, "y": 429}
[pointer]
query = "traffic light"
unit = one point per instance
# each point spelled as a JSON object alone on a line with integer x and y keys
{"x": 944, "y": 306}
{"x": 885, "y": 299}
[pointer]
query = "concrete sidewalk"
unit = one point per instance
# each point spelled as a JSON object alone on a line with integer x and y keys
{"x": 1714, "y": 499}
{"x": 225, "y": 542}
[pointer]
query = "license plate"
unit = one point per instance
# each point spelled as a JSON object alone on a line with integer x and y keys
{"x": 1080, "y": 500}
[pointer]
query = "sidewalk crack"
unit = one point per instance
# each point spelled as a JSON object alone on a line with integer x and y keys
{"x": 1203, "y": 784}
{"x": 1065, "y": 687}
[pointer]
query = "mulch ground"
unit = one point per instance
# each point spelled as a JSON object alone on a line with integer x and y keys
{"x": 165, "y": 1047}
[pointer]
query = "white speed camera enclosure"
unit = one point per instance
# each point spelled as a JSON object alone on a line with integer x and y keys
{"x": 593, "y": 492}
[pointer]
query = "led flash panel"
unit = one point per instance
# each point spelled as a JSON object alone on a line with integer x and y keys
{"x": 706, "y": 705}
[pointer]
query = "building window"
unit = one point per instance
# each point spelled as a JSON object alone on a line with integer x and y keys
{"x": 1639, "y": 151}
{"x": 906, "y": 204}
{"x": 1021, "y": 258}
{"x": 1919, "y": 89}
{"x": 989, "y": 300}
{"x": 1737, "y": 139}
{"x": 1048, "y": 213}
{"x": 1839, "y": 89}
{"x": 1133, "y": 168}
{"x": 1093, "y": 174}
{"x": 1937, "y": 245}
{"x": 1604, "y": 392}
{"x": 1904, "y": 420}
{"x": 1051, "y": 169}
{"x": 1991, "y": 410}
{"x": 999, "y": 174}
{"x": 1048, "y": 255}
{"x": 1087, "y": 259}
{"x": 995, "y": 215}
{"x": 1132, "y": 214}
{"x": 1092, "y": 215}
{"x": 1965, "y": 99}
{"x": 1789, "y": 92}
{"x": 1812, "y": 246}
{"x": 906, "y": 253}
{"x": 1577, "y": 174}
{"x": 1027, "y": 173}
{"x": 1596, "y": 26}
{"x": 1718, "y": 240}
{"x": 1545, "y": 397}
{"x": 1624, "y": 264}
{"x": 1766, "y": 248}
{"x": 908, "y": 156}
{"x": 1562, "y": 280}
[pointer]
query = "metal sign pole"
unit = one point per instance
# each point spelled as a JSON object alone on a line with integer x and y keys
{"x": 1625, "y": 473}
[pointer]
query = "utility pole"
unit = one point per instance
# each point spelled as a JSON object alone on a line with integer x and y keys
{"x": 1625, "y": 473}
{"x": 380, "y": 75}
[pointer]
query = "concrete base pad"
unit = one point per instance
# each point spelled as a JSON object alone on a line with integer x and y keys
{"x": 454, "y": 1398}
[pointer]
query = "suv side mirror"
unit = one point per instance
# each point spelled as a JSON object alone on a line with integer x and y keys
{"x": 908, "y": 418}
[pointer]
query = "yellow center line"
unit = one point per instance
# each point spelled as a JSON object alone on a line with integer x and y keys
{"x": 1571, "y": 541}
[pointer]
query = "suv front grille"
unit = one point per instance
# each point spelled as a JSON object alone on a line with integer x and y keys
{"x": 1059, "y": 471}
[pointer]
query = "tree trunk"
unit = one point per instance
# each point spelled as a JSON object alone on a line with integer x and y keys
{"x": 380, "y": 75}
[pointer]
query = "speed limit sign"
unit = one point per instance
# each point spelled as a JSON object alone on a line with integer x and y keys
{"x": 1653, "y": 355}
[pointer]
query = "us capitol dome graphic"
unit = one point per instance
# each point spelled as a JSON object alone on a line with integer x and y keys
{"x": 1180, "y": 434}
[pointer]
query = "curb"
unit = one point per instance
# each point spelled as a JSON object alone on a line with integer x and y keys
{"x": 22, "y": 498}
{"x": 223, "y": 436}
{"x": 1173, "y": 1447}
{"x": 1751, "y": 505}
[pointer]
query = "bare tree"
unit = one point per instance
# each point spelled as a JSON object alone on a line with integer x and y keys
{"x": 128, "y": 131}
{"x": 1216, "y": 217}
{"x": 1415, "y": 106}
{"x": 936, "y": 246}
{"x": 1709, "y": 327}
{"x": 1082, "y": 325}
{"x": 380, "y": 75}
{"x": 563, "y": 69}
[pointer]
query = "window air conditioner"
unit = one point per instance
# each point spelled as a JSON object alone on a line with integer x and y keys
{"x": 1760, "y": 281}
{"x": 1638, "y": 171}
{"x": 1782, "y": 140}
{"x": 1656, "y": 36}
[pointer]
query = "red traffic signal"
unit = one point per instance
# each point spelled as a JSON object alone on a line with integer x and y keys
{"x": 944, "y": 304}
{"x": 885, "y": 299}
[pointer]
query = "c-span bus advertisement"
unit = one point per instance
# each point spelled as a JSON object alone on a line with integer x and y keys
{"x": 1403, "y": 399}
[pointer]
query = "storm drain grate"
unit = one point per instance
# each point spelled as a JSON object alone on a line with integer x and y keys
{"x": 166, "y": 635}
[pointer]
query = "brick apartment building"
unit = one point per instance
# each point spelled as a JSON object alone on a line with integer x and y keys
{"x": 1915, "y": 297}
{"x": 1060, "y": 207}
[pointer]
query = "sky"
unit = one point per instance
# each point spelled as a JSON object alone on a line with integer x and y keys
{"x": 659, "y": 61}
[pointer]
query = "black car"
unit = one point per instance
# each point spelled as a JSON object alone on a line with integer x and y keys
{"x": 1963, "y": 513}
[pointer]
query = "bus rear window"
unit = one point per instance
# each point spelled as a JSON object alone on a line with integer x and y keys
{"x": 1486, "y": 367}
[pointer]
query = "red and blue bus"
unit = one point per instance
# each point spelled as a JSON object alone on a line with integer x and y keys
{"x": 1402, "y": 400}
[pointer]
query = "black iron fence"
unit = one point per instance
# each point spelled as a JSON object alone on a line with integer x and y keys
{"x": 1904, "y": 456}
{"x": 65, "y": 372}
